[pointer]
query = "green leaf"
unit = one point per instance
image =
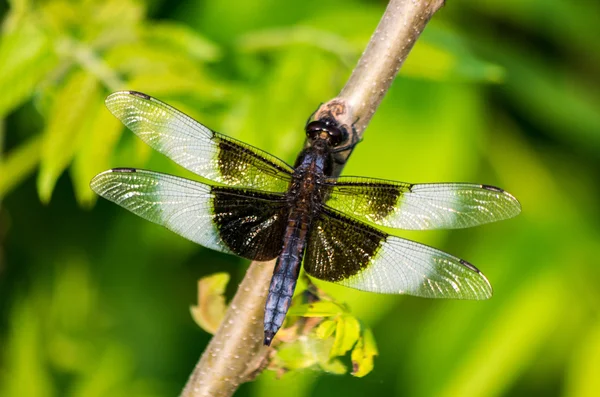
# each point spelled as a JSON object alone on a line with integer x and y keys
{"x": 98, "y": 23}
{"x": 74, "y": 105}
{"x": 18, "y": 10}
{"x": 302, "y": 353}
{"x": 363, "y": 354}
{"x": 19, "y": 163}
{"x": 334, "y": 366}
{"x": 194, "y": 84}
{"x": 283, "y": 38}
{"x": 183, "y": 39}
{"x": 99, "y": 139}
{"x": 89, "y": 60}
{"x": 306, "y": 352}
{"x": 346, "y": 335}
{"x": 25, "y": 59}
{"x": 317, "y": 309}
{"x": 211, "y": 307}
{"x": 142, "y": 57}
{"x": 326, "y": 329}
{"x": 162, "y": 71}
{"x": 113, "y": 15}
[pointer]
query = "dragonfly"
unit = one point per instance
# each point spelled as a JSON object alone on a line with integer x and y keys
{"x": 254, "y": 205}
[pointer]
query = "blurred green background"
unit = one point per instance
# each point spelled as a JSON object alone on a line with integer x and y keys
{"x": 94, "y": 301}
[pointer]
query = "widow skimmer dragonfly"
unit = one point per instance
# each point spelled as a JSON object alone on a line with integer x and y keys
{"x": 260, "y": 208}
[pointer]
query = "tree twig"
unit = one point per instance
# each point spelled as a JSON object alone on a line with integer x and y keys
{"x": 236, "y": 354}
{"x": 397, "y": 32}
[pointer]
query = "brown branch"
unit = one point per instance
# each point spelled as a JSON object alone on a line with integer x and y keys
{"x": 236, "y": 354}
{"x": 397, "y": 32}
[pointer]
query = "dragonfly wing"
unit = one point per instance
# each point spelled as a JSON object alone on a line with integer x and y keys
{"x": 240, "y": 221}
{"x": 190, "y": 144}
{"x": 353, "y": 254}
{"x": 421, "y": 206}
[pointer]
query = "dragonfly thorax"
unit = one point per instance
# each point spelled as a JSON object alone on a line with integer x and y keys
{"x": 313, "y": 166}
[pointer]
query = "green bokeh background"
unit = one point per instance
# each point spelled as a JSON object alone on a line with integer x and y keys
{"x": 95, "y": 301}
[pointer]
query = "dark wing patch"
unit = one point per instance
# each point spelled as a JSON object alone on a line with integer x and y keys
{"x": 251, "y": 223}
{"x": 339, "y": 247}
{"x": 368, "y": 199}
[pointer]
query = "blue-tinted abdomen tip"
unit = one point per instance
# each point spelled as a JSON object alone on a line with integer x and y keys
{"x": 269, "y": 335}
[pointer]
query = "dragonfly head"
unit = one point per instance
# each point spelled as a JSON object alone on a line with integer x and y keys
{"x": 328, "y": 130}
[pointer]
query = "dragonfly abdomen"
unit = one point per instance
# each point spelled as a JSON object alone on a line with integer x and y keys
{"x": 285, "y": 275}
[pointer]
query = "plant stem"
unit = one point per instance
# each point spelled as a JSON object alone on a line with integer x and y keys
{"x": 397, "y": 32}
{"x": 394, "y": 37}
{"x": 236, "y": 354}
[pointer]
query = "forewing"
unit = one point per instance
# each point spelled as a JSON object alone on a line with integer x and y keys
{"x": 239, "y": 221}
{"x": 421, "y": 206}
{"x": 199, "y": 149}
{"x": 355, "y": 255}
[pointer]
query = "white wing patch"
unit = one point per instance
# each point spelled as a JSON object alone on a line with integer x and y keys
{"x": 405, "y": 267}
{"x": 180, "y": 205}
